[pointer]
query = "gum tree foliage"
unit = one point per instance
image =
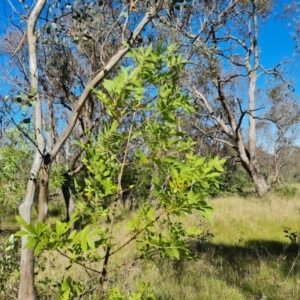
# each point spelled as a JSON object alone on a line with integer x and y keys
{"x": 139, "y": 132}
{"x": 280, "y": 127}
{"x": 221, "y": 40}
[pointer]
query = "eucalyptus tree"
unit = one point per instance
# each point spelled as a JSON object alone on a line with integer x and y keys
{"x": 221, "y": 40}
{"x": 122, "y": 26}
{"x": 280, "y": 128}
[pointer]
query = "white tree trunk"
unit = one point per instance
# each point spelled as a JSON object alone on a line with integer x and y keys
{"x": 26, "y": 287}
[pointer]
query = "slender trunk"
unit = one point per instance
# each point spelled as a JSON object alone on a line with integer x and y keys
{"x": 66, "y": 189}
{"x": 252, "y": 64}
{"x": 43, "y": 192}
{"x": 26, "y": 287}
{"x": 252, "y": 128}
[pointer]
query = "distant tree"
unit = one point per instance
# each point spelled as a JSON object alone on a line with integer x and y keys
{"x": 279, "y": 128}
{"x": 224, "y": 53}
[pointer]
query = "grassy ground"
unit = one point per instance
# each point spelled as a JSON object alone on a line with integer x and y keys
{"x": 244, "y": 253}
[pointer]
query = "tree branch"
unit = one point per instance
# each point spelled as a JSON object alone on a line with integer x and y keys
{"x": 102, "y": 74}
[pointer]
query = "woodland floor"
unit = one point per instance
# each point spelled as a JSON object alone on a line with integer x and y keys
{"x": 250, "y": 250}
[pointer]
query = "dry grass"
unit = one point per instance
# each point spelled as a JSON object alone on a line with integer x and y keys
{"x": 244, "y": 254}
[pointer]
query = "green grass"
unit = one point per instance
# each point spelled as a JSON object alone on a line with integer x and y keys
{"x": 243, "y": 254}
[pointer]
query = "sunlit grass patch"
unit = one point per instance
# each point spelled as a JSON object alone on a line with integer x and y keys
{"x": 245, "y": 252}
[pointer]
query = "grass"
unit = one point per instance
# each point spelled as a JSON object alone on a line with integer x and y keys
{"x": 244, "y": 253}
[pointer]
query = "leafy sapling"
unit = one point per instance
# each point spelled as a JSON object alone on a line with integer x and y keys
{"x": 144, "y": 104}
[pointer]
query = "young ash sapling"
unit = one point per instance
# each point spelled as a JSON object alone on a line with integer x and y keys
{"x": 144, "y": 104}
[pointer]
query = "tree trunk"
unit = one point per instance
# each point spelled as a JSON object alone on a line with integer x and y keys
{"x": 26, "y": 287}
{"x": 66, "y": 189}
{"x": 259, "y": 181}
{"x": 253, "y": 169}
{"x": 43, "y": 193}
{"x": 252, "y": 55}
{"x": 261, "y": 186}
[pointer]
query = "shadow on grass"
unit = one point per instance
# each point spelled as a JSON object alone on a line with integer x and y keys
{"x": 256, "y": 267}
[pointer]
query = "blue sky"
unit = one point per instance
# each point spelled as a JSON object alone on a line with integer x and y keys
{"x": 275, "y": 38}
{"x": 276, "y": 45}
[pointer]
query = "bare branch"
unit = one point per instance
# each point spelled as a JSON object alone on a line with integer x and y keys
{"x": 213, "y": 115}
{"x": 103, "y": 72}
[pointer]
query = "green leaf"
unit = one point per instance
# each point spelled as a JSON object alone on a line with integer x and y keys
{"x": 219, "y": 168}
{"x": 143, "y": 158}
{"x": 84, "y": 246}
{"x": 84, "y": 232}
{"x": 29, "y": 228}
{"x": 72, "y": 235}
{"x": 38, "y": 248}
{"x": 21, "y": 233}
{"x": 213, "y": 175}
{"x": 39, "y": 228}
{"x": 136, "y": 72}
{"x": 193, "y": 230}
{"x": 114, "y": 126}
{"x": 174, "y": 173}
{"x": 59, "y": 228}
{"x": 65, "y": 286}
{"x": 140, "y": 154}
{"x": 172, "y": 252}
{"x": 31, "y": 242}
{"x": 109, "y": 85}
{"x": 149, "y": 50}
{"x": 204, "y": 213}
{"x": 151, "y": 214}
{"x": 91, "y": 243}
